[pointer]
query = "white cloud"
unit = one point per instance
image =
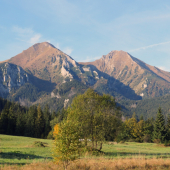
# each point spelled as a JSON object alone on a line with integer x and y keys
{"x": 164, "y": 68}
{"x": 68, "y": 50}
{"x": 149, "y": 46}
{"x": 22, "y": 31}
{"x": 57, "y": 45}
{"x": 27, "y": 35}
{"x": 89, "y": 59}
{"x": 35, "y": 39}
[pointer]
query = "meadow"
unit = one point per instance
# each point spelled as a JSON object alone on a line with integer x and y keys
{"x": 32, "y": 153}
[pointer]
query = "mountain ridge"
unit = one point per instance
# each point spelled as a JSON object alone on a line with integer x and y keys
{"x": 54, "y": 74}
{"x": 133, "y": 72}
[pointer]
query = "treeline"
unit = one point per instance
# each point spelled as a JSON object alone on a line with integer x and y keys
{"x": 26, "y": 121}
{"x": 146, "y": 107}
{"x": 150, "y": 130}
{"x": 98, "y": 118}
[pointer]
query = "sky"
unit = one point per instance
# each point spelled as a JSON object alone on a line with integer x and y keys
{"x": 88, "y": 29}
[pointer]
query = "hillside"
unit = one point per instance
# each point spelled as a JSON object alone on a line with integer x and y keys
{"x": 44, "y": 74}
{"x": 147, "y": 81}
{"x": 147, "y": 107}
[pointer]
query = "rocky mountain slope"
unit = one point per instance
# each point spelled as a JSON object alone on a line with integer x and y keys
{"x": 46, "y": 62}
{"x": 11, "y": 77}
{"x": 145, "y": 80}
{"x": 44, "y": 74}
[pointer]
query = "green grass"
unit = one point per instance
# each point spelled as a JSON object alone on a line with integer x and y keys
{"x": 25, "y": 150}
{"x": 133, "y": 149}
{"x": 22, "y": 150}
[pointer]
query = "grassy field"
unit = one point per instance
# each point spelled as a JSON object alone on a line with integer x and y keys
{"x": 23, "y": 150}
{"x": 133, "y": 149}
{"x": 17, "y": 151}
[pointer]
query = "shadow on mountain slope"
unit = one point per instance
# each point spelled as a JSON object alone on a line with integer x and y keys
{"x": 113, "y": 86}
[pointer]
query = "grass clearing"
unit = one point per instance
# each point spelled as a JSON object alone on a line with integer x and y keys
{"x": 133, "y": 149}
{"x": 23, "y": 150}
{"x": 32, "y": 153}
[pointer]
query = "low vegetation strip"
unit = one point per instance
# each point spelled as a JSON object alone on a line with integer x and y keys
{"x": 20, "y": 153}
{"x": 99, "y": 164}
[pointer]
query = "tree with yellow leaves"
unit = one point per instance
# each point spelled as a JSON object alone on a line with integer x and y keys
{"x": 67, "y": 144}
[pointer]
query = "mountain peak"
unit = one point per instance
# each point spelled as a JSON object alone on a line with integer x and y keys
{"x": 44, "y": 60}
{"x": 117, "y": 55}
{"x": 43, "y": 45}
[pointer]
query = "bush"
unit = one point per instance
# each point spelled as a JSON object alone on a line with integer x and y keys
{"x": 131, "y": 140}
{"x": 167, "y": 143}
{"x": 157, "y": 141}
{"x": 39, "y": 144}
{"x": 147, "y": 138}
{"x": 50, "y": 135}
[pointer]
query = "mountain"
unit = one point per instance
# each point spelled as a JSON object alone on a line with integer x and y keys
{"x": 46, "y": 62}
{"x": 44, "y": 74}
{"x": 11, "y": 76}
{"x": 147, "y": 81}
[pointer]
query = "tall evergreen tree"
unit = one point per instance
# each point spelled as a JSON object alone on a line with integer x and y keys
{"x": 11, "y": 120}
{"x": 20, "y": 122}
{"x": 168, "y": 127}
{"x": 159, "y": 127}
{"x": 30, "y": 121}
{"x": 39, "y": 123}
{"x": 4, "y": 118}
{"x": 47, "y": 119}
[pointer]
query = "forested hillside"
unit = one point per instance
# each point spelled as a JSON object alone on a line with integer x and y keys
{"x": 146, "y": 107}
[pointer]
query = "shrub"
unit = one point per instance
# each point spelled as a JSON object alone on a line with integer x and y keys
{"x": 147, "y": 138}
{"x": 167, "y": 143}
{"x": 157, "y": 141}
{"x": 39, "y": 144}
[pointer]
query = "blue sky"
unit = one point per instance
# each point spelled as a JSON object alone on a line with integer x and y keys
{"x": 88, "y": 29}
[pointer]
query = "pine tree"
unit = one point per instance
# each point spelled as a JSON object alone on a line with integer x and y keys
{"x": 39, "y": 123}
{"x": 47, "y": 127}
{"x": 31, "y": 116}
{"x": 20, "y": 122}
{"x": 11, "y": 120}
{"x": 159, "y": 127}
{"x": 4, "y": 118}
{"x": 168, "y": 127}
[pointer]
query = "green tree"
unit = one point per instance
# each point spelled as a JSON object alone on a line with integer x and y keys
{"x": 39, "y": 123}
{"x": 168, "y": 127}
{"x": 159, "y": 127}
{"x": 11, "y": 120}
{"x": 46, "y": 115}
{"x": 4, "y": 118}
{"x": 148, "y": 130}
{"x": 94, "y": 114}
{"x": 67, "y": 144}
{"x": 31, "y": 116}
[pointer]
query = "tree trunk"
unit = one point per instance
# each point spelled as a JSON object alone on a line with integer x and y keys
{"x": 96, "y": 144}
{"x": 85, "y": 142}
{"x": 100, "y": 146}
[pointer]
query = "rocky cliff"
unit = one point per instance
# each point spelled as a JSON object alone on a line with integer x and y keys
{"x": 145, "y": 80}
{"x": 11, "y": 76}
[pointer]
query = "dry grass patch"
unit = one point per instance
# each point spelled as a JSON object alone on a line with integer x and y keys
{"x": 100, "y": 164}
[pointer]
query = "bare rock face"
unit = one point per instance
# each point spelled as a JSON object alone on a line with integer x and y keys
{"x": 117, "y": 70}
{"x": 145, "y": 80}
{"x": 11, "y": 76}
{"x": 46, "y": 62}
